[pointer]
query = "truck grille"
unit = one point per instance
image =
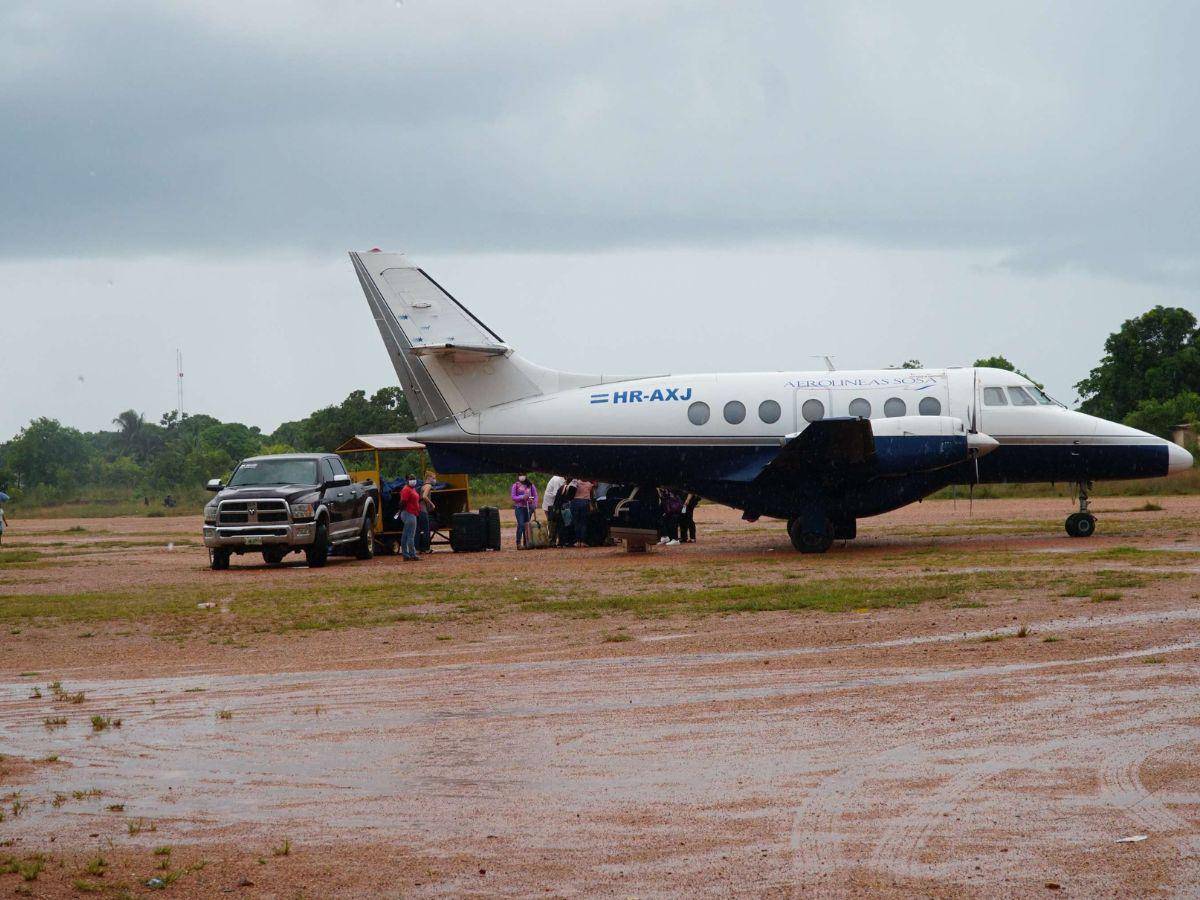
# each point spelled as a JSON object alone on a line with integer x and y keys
{"x": 251, "y": 512}
{"x": 252, "y": 531}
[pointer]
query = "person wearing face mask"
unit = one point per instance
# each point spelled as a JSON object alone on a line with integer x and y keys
{"x": 524, "y": 498}
{"x": 410, "y": 508}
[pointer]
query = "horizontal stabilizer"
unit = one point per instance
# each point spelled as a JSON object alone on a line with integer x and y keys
{"x": 463, "y": 353}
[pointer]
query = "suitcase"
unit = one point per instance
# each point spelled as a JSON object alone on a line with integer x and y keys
{"x": 539, "y": 533}
{"x": 491, "y": 520}
{"x": 467, "y": 533}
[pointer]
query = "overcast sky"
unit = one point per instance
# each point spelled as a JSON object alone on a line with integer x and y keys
{"x": 638, "y": 186}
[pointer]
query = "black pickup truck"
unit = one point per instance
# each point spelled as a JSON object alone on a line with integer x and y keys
{"x": 283, "y": 504}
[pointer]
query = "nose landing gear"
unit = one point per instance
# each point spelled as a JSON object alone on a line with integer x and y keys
{"x": 1082, "y": 523}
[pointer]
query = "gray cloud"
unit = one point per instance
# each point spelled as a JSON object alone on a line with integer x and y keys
{"x": 1061, "y": 136}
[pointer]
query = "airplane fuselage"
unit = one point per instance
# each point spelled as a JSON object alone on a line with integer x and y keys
{"x": 706, "y": 432}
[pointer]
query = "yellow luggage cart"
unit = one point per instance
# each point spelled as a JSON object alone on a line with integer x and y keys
{"x": 365, "y": 457}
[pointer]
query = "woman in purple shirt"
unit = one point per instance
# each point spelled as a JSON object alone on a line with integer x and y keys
{"x": 525, "y": 500}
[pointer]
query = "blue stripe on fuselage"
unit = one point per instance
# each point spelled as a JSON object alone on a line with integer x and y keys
{"x": 905, "y": 472}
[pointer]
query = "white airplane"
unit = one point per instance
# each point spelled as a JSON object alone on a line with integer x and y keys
{"x": 817, "y": 449}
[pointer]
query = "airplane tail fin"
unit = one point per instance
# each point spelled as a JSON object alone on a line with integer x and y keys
{"x": 449, "y": 363}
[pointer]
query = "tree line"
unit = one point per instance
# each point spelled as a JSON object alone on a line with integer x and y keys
{"x": 180, "y": 452}
{"x": 1149, "y": 377}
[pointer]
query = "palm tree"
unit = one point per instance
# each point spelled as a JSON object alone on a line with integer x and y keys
{"x": 130, "y": 425}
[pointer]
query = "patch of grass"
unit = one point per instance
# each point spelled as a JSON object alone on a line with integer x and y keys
{"x": 115, "y": 807}
{"x": 29, "y": 869}
{"x": 1141, "y": 555}
{"x": 18, "y": 557}
{"x": 162, "y": 851}
{"x": 283, "y": 849}
{"x": 1051, "y": 639}
{"x": 1023, "y": 631}
{"x": 137, "y": 826}
{"x": 36, "y": 694}
{"x": 225, "y": 714}
{"x": 991, "y": 638}
{"x": 54, "y": 721}
{"x": 1086, "y": 585}
{"x": 1153, "y": 661}
{"x": 1148, "y": 506}
{"x": 1106, "y": 596}
{"x": 87, "y": 795}
{"x": 96, "y": 866}
{"x": 442, "y": 637}
{"x": 617, "y": 638}
{"x": 86, "y": 887}
{"x": 969, "y": 604}
{"x": 101, "y": 723}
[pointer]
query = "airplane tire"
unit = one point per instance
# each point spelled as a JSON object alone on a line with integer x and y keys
{"x": 810, "y": 541}
{"x": 1081, "y": 525}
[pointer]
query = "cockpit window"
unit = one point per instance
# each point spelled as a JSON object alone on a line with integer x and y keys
{"x": 1020, "y": 398}
{"x": 1040, "y": 396}
{"x": 994, "y": 397}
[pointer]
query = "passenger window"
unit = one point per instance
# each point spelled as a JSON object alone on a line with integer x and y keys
{"x": 769, "y": 411}
{"x": 338, "y": 468}
{"x": 994, "y": 397}
{"x": 861, "y": 408}
{"x": 326, "y": 471}
{"x": 698, "y": 413}
{"x": 1020, "y": 398}
{"x": 930, "y": 406}
{"x": 735, "y": 412}
{"x": 894, "y": 407}
{"x": 813, "y": 410}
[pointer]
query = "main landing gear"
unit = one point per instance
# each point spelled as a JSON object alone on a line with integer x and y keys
{"x": 809, "y": 539}
{"x": 1082, "y": 523}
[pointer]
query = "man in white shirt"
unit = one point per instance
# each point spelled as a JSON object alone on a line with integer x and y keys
{"x": 553, "y": 514}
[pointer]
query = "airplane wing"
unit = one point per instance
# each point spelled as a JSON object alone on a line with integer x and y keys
{"x": 834, "y": 450}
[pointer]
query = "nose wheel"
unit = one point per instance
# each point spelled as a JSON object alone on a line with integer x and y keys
{"x": 1082, "y": 524}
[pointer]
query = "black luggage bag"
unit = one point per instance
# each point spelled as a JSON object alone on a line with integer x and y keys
{"x": 491, "y": 519}
{"x": 468, "y": 533}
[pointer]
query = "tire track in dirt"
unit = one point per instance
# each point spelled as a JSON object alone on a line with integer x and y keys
{"x": 900, "y": 847}
{"x": 1121, "y": 782}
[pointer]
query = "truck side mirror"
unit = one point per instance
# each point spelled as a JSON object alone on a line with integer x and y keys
{"x": 214, "y": 484}
{"x": 338, "y": 481}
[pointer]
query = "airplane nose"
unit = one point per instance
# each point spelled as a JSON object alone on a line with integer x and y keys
{"x": 1178, "y": 459}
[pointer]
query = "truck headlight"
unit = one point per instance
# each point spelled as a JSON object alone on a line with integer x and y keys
{"x": 302, "y": 510}
{"x": 210, "y": 515}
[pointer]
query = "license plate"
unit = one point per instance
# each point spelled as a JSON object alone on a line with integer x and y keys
{"x": 253, "y": 541}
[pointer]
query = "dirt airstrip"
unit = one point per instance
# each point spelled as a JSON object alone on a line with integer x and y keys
{"x": 962, "y": 702}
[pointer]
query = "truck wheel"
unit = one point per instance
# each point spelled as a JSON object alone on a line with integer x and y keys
{"x": 219, "y": 560}
{"x": 365, "y": 548}
{"x": 318, "y": 552}
{"x": 273, "y": 556}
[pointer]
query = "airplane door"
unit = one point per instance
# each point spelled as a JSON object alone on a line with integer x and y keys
{"x": 802, "y": 396}
{"x": 964, "y": 396}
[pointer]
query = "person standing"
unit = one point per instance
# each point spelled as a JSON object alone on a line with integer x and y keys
{"x": 425, "y": 517}
{"x": 581, "y": 508}
{"x": 550, "y": 506}
{"x": 687, "y": 521}
{"x": 3, "y": 524}
{"x": 672, "y": 509}
{"x": 410, "y": 507}
{"x": 525, "y": 499}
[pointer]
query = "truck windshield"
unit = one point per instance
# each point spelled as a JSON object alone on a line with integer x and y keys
{"x": 275, "y": 471}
